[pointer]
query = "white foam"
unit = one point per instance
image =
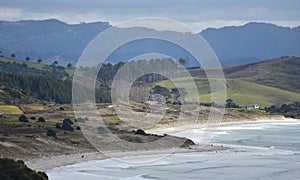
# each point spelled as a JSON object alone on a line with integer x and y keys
{"x": 242, "y": 127}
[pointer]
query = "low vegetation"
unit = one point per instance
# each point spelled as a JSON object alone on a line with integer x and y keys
{"x": 17, "y": 170}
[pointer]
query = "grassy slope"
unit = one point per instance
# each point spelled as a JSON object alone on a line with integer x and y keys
{"x": 269, "y": 82}
{"x": 283, "y": 73}
{"x": 242, "y": 92}
{"x": 29, "y": 64}
{"x": 33, "y": 64}
{"x": 8, "y": 109}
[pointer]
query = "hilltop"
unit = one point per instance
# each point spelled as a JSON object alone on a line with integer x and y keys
{"x": 53, "y": 40}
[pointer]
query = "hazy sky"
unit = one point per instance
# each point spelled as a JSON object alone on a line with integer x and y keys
{"x": 198, "y": 14}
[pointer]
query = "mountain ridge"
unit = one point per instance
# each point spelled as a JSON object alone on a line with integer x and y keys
{"x": 53, "y": 40}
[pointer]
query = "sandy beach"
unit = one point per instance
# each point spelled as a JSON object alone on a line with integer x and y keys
{"x": 47, "y": 163}
{"x": 186, "y": 127}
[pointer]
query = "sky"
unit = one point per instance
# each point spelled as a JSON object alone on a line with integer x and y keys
{"x": 197, "y": 14}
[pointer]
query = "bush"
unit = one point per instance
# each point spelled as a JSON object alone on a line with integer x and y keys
{"x": 58, "y": 126}
{"x": 78, "y": 128}
{"x": 23, "y": 118}
{"x": 67, "y": 120}
{"x": 141, "y": 132}
{"x": 41, "y": 119}
{"x": 32, "y": 118}
{"x": 67, "y": 125}
{"x": 10, "y": 169}
{"x": 50, "y": 132}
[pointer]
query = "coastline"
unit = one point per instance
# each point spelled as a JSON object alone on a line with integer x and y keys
{"x": 186, "y": 127}
{"x": 48, "y": 163}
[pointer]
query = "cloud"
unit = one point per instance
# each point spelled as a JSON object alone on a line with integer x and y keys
{"x": 10, "y": 13}
{"x": 197, "y": 13}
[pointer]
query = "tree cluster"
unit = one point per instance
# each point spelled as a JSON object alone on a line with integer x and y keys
{"x": 291, "y": 110}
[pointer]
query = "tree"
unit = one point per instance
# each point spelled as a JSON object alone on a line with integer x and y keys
{"x": 13, "y": 55}
{"x": 69, "y": 65}
{"x": 183, "y": 61}
{"x": 27, "y": 58}
{"x": 231, "y": 104}
{"x": 39, "y": 61}
{"x": 54, "y": 63}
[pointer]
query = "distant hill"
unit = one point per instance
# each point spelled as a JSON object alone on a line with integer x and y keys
{"x": 53, "y": 40}
{"x": 49, "y": 40}
{"x": 253, "y": 42}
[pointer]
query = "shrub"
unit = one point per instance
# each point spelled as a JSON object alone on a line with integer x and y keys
{"x": 32, "y": 118}
{"x": 50, "y": 132}
{"x": 78, "y": 128}
{"x": 67, "y": 120}
{"x": 67, "y": 125}
{"x": 41, "y": 119}
{"x": 141, "y": 132}
{"x": 58, "y": 126}
{"x": 10, "y": 169}
{"x": 23, "y": 118}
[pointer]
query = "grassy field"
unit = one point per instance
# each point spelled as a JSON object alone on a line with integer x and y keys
{"x": 6, "y": 109}
{"x": 242, "y": 92}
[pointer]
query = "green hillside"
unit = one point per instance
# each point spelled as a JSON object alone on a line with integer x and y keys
{"x": 240, "y": 91}
{"x": 283, "y": 73}
{"x": 33, "y": 68}
{"x": 29, "y": 64}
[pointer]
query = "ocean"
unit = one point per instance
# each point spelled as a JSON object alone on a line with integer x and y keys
{"x": 258, "y": 151}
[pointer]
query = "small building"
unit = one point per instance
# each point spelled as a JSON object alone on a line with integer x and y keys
{"x": 252, "y": 106}
{"x": 151, "y": 102}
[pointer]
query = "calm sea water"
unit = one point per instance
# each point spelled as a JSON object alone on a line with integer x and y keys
{"x": 260, "y": 151}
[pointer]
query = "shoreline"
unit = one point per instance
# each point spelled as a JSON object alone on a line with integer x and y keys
{"x": 177, "y": 129}
{"x": 48, "y": 163}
